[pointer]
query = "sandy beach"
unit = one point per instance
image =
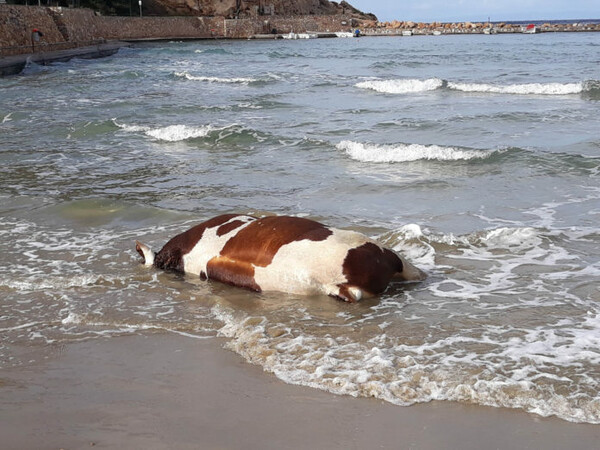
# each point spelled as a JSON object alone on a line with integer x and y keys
{"x": 169, "y": 391}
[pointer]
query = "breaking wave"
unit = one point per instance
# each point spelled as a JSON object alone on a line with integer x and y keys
{"x": 232, "y": 134}
{"x": 522, "y": 89}
{"x": 233, "y": 80}
{"x": 190, "y": 77}
{"x": 171, "y": 133}
{"x": 409, "y": 86}
{"x": 409, "y": 152}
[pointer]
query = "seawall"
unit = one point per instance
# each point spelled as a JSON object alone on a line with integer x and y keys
{"x": 65, "y": 28}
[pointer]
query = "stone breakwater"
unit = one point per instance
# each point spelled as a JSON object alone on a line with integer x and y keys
{"x": 398, "y": 27}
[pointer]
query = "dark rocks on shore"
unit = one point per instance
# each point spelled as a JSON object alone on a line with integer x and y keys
{"x": 231, "y": 9}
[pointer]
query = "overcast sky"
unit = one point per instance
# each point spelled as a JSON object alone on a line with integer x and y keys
{"x": 479, "y": 10}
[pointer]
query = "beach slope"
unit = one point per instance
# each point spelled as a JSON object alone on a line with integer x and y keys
{"x": 169, "y": 391}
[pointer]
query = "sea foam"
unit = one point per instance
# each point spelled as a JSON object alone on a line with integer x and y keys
{"x": 411, "y": 86}
{"x": 408, "y": 373}
{"x": 175, "y": 133}
{"x": 171, "y": 133}
{"x": 403, "y": 86}
{"x": 408, "y": 152}
{"x": 186, "y": 75}
{"x": 523, "y": 89}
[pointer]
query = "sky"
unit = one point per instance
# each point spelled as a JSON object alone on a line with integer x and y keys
{"x": 479, "y": 10}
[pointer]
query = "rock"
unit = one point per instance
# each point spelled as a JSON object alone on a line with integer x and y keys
{"x": 252, "y": 8}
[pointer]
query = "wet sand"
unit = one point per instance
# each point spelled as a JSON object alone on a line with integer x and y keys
{"x": 169, "y": 391}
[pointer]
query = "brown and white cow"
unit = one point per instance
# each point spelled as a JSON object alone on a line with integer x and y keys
{"x": 282, "y": 253}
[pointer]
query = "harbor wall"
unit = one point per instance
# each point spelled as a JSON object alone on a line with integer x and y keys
{"x": 65, "y": 28}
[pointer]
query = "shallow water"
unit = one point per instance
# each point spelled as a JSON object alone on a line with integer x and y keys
{"x": 477, "y": 157}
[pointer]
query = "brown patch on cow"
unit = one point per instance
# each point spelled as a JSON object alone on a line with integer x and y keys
{"x": 235, "y": 273}
{"x": 261, "y": 240}
{"x": 370, "y": 267}
{"x": 170, "y": 257}
{"x": 224, "y": 229}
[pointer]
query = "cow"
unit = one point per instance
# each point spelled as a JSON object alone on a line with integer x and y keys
{"x": 283, "y": 253}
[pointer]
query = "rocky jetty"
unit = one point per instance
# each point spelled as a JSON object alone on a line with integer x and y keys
{"x": 420, "y": 28}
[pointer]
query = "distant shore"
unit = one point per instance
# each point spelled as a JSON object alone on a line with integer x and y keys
{"x": 66, "y": 28}
{"x": 420, "y": 28}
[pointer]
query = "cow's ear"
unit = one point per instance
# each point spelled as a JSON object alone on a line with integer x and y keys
{"x": 145, "y": 252}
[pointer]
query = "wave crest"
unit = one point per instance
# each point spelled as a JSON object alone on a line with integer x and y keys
{"x": 522, "y": 89}
{"x": 236, "y": 80}
{"x": 407, "y": 86}
{"x": 171, "y": 133}
{"x": 411, "y": 86}
{"x": 408, "y": 152}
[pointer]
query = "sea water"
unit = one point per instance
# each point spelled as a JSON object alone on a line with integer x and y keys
{"x": 476, "y": 157}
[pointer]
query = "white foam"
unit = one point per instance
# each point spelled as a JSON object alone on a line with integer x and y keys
{"x": 112, "y": 328}
{"x": 72, "y": 319}
{"x": 434, "y": 369}
{"x": 408, "y": 152}
{"x": 46, "y": 282}
{"x": 403, "y": 86}
{"x": 175, "y": 133}
{"x": 411, "y": 231}
{"x": 410, "y": 241}
{"x": 409, "y": 86}
{"x": 505, "y": 237}
{"x": 171, "y": 133}
{"x": 574, "y": 342}
{"x": 20, "y": 327}
{"x": 503, "y": 257}
{"x": 234, "y": 80}
{"x": 523, "y": 89}
{"x": 131, "y": 128}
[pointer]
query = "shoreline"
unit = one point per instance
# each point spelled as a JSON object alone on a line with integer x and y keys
{"x": 15, "y": 64}
{"x": 170, "y": 391}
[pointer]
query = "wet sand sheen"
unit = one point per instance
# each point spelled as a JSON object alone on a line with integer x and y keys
{"x": 169, "y": 391}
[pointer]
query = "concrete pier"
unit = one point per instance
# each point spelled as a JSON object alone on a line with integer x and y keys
{"x": 12, "y": 65}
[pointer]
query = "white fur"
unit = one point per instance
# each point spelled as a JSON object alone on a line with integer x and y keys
{"x": 310, "y": 267}
{"x": 210, "y": 246}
